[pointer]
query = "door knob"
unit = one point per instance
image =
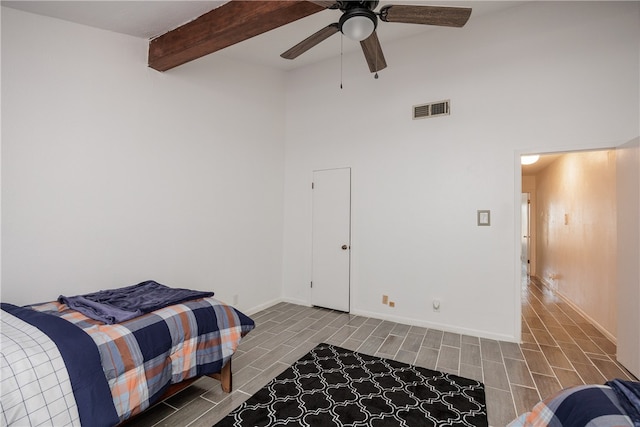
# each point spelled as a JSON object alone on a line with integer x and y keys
{"x": 344, "y": 247}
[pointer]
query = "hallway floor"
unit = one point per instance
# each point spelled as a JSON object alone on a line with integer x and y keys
{"x": 560, "y": 349}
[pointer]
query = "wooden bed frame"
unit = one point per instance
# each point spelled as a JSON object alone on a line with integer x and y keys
{"x": 224, "y": 376}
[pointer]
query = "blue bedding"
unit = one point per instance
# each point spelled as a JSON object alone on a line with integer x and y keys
{"x": 143, "y": 356}
{"x": 60, "y": 367}
{"x": 628, "y": 393}
{"x": 580, "y": 406}
{"x": 90, "y": 387}
{"x": 122, "y": 304}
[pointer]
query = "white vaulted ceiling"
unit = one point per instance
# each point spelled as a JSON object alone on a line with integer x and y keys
{"x": 150, "y": 18}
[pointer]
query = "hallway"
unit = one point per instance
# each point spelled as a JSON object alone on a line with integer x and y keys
{"x": 560, "y": 346}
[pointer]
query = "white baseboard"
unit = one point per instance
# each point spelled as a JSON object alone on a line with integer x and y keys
{"x": 271, "y": 303}
{"x": 296, "y": 301}
{"x": 391, "y": 318}
{"x": 254, "y": 310}
{"x": 571, "y": 304}
{"x": 435, "y": 325}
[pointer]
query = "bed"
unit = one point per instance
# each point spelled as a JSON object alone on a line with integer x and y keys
{"x": 61, "y": 367}
{"x": 617, "y": 403}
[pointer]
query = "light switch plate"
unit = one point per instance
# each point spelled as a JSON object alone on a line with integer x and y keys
{"x": 484, "y": 217}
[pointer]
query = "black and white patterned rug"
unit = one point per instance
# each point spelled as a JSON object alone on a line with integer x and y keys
{"x": 332, "y": 386}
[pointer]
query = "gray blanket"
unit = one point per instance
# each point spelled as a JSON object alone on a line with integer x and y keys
{"x": 117, "y": 305}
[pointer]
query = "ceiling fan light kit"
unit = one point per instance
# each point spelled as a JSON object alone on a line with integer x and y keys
{"x": 359, "y": 22}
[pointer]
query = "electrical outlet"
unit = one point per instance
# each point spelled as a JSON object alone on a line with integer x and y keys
{"x": 436, "y": 305}
{"x": 385, "y": 299}
{"x": 235, "y": 299}
{"x": 392, "y": 304}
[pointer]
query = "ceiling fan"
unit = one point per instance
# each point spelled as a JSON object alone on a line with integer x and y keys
{"x": 359, "y": 22}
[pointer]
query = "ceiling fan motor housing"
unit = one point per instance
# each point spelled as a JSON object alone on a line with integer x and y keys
{"x": 346, "y": 5}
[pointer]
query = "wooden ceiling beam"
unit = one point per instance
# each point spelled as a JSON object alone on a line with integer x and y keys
{"x": 224, "y": 26}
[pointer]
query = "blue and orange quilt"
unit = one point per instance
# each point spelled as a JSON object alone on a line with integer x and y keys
{"x": 136, "y": 360}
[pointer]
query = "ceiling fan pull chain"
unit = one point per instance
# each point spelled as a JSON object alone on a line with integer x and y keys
{"x": 341, "y": 43}
{"x": 376, "y": 74}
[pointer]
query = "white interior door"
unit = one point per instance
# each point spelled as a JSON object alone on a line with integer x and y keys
{"x": 331, "y": 238}
{"x": 628, "y": 255}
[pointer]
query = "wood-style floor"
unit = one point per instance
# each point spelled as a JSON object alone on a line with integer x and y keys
{"x": 560, "y": 349}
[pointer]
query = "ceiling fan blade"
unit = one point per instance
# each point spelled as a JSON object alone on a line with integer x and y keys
{"x": 327, "y": 4}
{"x": 373, "y": 53}
{"x": 311, "y": 41}
{"x": 429, "y": 15}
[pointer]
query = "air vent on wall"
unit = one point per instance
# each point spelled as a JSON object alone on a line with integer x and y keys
{"x": 433, "y": 109}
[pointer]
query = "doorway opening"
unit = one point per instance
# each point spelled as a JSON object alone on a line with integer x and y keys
{"x": 570, "y": 218}
{"x": 570, "y": 301}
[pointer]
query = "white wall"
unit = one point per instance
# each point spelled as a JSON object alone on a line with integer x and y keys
{"x": 628, "y": 219}
{"x": 113, "y": 173}
{"x": 541, "y": 76}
